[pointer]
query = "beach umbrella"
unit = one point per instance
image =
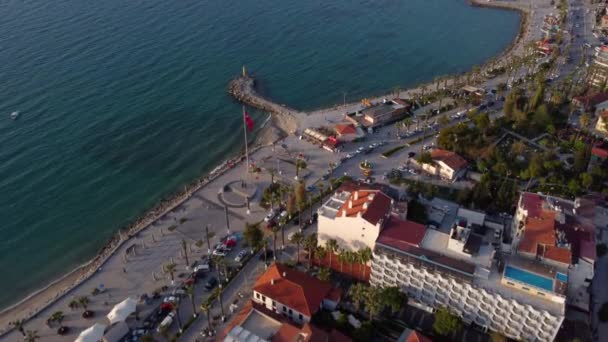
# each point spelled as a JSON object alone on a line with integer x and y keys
{"x": 122, "y": 310}
{"x": 92, "y": 334}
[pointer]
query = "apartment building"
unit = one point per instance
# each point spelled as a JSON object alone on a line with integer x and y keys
{"x": 354, "y": 216}
{"x": 459, "y": 267}
{"x": 598, "y": 71}
{"x": 447, "y": 165}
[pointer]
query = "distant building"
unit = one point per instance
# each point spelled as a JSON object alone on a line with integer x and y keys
{"x": 347, "y": 132}
{"x": 604, "y": 22}
{"x": 598, "y": 155}
{"x": 446, "y": 164}
{"x": 545, "y": 47}
{"x": 293, "y": 294}
{"x": 380, "y": 114}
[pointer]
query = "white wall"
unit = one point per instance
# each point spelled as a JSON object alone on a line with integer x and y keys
{"x": 268, "y": 303}
{"x": 351, "y": 233}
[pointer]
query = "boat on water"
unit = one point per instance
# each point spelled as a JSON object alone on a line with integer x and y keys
{"x": 14, "y": 115}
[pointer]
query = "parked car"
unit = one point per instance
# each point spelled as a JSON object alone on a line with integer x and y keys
{"x": 219, "y": 252}
{"x": 202, "y": 268}
{"x": 211, "y": 283}
{"x": 171, "y": 299}
{"x": 239, "y": 257}
{"x": 166, "y": 322}
{"x": 283, "y": 214}
{"x": 271, "y": 215}
{"x": 411, "y": 154}
{"x": 229, "y": 243}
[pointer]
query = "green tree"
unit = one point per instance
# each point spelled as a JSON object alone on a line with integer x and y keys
{"x": 185, "y": 249}
{"x": 582, "y": 154}
{"x": 19, "y": 325}
{"x": 297, "y": 238}
{"x": 373, "y": 301}
{"x": 585, "y": 120}
{"x": 443, "y": 120}
{"x": 206, "y": 307}
{"x": 275, "y": 230}
{"x": 425, "y": 158}
{"x": 253, "y": 235}
{"x": 170, "y": 269}
{"x": 190, "y": 292}
{"x": 324, "y": 274}
{"x": 310, "y": 243}
{"x": 331, "y": 246}
{"x": 300, "y": 164}
{"x": 57, "y": 316}
{"x": 541, "y": 118}
{"x": 586, "y": 180}
{"x": 365, "y": 256}
{"x": 320, "y": 254}
{"x": 574, "y": 187}
{"x": 357, "y": 293}
{"x": 538, "y": 97}
{"x": 482, "y": 121}
{"x": 446, "y": 323}
{"x": 31, "y": 336}
{"x": 393, "y": 298}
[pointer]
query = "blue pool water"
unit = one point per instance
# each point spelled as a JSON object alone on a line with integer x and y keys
{"x": 562, "y": 277}
{"x": 529, "y": 278}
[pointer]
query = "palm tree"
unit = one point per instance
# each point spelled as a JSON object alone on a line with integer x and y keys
{"x": 220, "y": 291}
{"x": 208, "y": 237}
{"x": 177, "y": 318}
{"x": 31, "y": 336}
{"x": 585, "y": 119}
{"x": 185, "y": 248}
{"x": 206, "y": 306}
{"x": 73, "y": 304}
{"x": 57, "y": 316}
{"x": 331, "y": 246}
{"x": 275, "y": 230}
{"x": 297, "y": 238}
{"x": 19, "y": 325}
{"x": 272, "y": 171}
{"x": 170, "y": 269}
{"x": 320, "y": 254}
{"x": 190, "y": 293}
{"x": 324, "y": 274}
{"x": 83, "y": 301}
{"x": 311, "y": 244}
{"x": 357, "y": 293}
{"x": 321, "y": 187}
{"x": 351, "y": 258}
{"x": 341, "y": 258}
{"x": 300, "y": 164}
{"x": 393, "y": 298}
{"x": 365, "y": 255}
{"x": 219, "y": 262}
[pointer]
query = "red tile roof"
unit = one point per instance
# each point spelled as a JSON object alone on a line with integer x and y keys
{"x": 342, "y": 129}
{"x": 591, "y": 100}
{"x": 308, "y": 333}
{"x": 287, "y": 333}
{"x": 558, "y": 254}
{"x": 532, "y": 203}
{"x": 293, "y": 288}
{"x": 397, "y": 232}
{"x": 599, "y": 152}
{"x": 373, "y": 205}
{"x": 538, "y": 230}
{"x": 417, "y": 337}
{"x": 451, "y": 159}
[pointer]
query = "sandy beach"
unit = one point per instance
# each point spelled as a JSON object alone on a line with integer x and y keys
{"x": 284, "y": 121}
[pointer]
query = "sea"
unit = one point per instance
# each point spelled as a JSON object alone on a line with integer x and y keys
{"x": 122, "y": 103}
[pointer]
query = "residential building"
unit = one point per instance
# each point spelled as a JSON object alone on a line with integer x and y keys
{"x": 446, "y": 164}
{"x": 588, "y": 102}
{"x": 293, "y": 294}
{"x": 254, "y": 323}
{"x": 458, "y": 267}
{"x": 598, "y": 156}
{"x": 354, "y": 216}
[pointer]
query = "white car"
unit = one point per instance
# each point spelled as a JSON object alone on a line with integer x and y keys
{"x": 219, "y": 252}
{"x": 270, "y": 216}
{"x": 171, "y": 299}
{"x": 350, "y": 155}
{"x": 241, "y": 255}
{"x": 360, "y": 149}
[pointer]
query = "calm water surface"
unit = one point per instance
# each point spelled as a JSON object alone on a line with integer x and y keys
{"x": 123, "y": 102}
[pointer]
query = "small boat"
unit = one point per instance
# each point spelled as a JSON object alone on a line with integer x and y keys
{"x": 14, "y": 115}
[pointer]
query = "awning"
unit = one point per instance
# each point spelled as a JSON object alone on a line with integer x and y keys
{"x": 92, "y": 334}
{"x": 122, "y": 310}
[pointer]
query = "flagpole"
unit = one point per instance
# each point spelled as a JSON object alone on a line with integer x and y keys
{"x": 246, "y": 148}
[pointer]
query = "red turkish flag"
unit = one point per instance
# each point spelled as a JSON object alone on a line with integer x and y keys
{"x": 248, "y": 120}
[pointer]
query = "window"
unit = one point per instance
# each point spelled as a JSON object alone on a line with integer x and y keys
{"x": 300, "y": 316}
{"x": 257, "y": 295}
{"x": 263, "y": 298}
{"x": 274, "y": 304}
{"x": 290, "y": 312}
{"x": 284, "y": 309}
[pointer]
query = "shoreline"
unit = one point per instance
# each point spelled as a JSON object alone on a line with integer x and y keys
{"x": 281, "y": 123}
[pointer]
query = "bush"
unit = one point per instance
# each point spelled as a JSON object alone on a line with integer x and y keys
{"x": 393, "y": 151}
{"x": 446, "y": 323}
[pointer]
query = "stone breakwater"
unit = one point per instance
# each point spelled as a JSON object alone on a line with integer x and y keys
{"x": 243, "y": 90}
{"x": 42, "y": 298}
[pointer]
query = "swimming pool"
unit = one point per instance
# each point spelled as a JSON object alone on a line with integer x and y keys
{"x": 529, "y": 278}
{"x": 561, "y": 277}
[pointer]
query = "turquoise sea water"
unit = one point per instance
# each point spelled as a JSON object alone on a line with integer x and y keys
{"x": 123, "y": 102}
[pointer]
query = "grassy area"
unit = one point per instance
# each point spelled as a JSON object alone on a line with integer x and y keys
{"x": 393, "y": 151}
